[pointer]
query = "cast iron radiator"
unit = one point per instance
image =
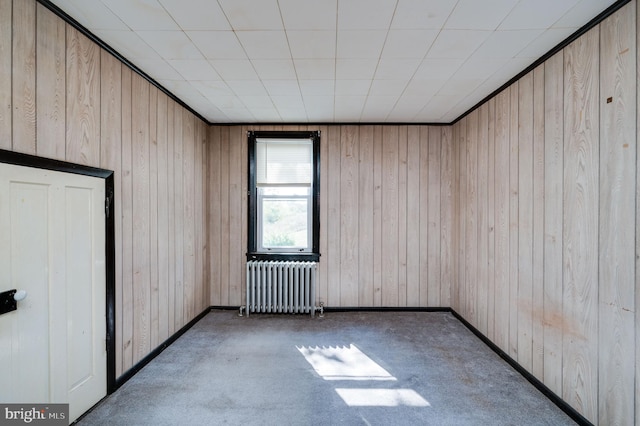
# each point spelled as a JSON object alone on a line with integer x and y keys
{"x": 281, "y": 287}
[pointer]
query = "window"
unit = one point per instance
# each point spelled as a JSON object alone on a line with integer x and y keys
{"x": 284, "y": 195}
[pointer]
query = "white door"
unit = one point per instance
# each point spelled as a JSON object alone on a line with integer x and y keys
{"x": 52, "y": 245}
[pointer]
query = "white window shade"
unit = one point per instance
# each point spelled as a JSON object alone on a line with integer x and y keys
{"x": 284, "y": 162}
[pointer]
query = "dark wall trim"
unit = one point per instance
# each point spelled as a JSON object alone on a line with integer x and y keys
{"x": 158, "y": 350}
{"x": 19, "y": 159}
{"x": 573, "y": 37}
{"x": 78, "y": 26}
{"x": 569, "y": 410}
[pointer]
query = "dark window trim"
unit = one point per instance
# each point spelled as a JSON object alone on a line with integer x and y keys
{"x": 19, "y": 159}
{"x": 252, "y": 253}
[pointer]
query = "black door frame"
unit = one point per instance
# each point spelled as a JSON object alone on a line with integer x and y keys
{"x": 19, "y": 159}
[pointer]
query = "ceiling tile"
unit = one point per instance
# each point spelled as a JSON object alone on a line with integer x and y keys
{"x": 479, "y": 15}
{"x": 274, "y": 69}
{"x": 315, "y": 69}
{"x": 420, "y": 14}
{"x": 312, "y": 44}
{"x": 252, "y": 101}
{"x": 438, "y": 68}
{"x": 365, "y": 14}
{"x": 145, "y": 15}
{"x": 536, "y": 14}
{"x": 158, "y": 69}
{"x": 194, "y": 69}
{"x": 282, "y": 87}
{"x": 128, "y": 44}
{"x": 309, "y": 14}
{"x": 317, "y": 88}
{"x": 264, "y": 44}
{"x": 545, "y": 42}
{"x": 352, "y": 87}
{"x": 506, "y": 44}
{"x": 581, "y": 13}
{"x": 287, "y": 102}
{"x": 234, "y": 69}
{"x": 200, "y": 15}
{"x": 214, "y": 90}
{"x": 377, "y": 108}
{"x": 265, "y": 115}
{"x": 457, "y": 43}
{"x": 171, "y": 44}
{"x": 247, "y": 88}
{"x": 424, "y": 88}
{"x": 406, "y": 108}
{"x": 396, "y": 69}
{"x": 252, "y": 15}
{"x": 360, "y": 44}
{"x": 408, "y": 43}
{"x": 217, "y": 44}
{"x": 481, "y": 67}
{"x": 387, "y": 87}
{"x": 92, "y": 14}
{"x": 349, "y": 108}
{"x": 456, "y": 87}
{"x": 355, "y": 69}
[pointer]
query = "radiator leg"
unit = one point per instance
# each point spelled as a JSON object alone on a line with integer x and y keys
{"x": 241, "y": 314}
{"x": 321, "y": 309}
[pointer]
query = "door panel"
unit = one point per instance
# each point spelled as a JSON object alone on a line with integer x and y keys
{"x": 52, "y": 227}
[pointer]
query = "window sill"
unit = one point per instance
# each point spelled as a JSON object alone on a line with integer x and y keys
{"x": 298, "y": 257}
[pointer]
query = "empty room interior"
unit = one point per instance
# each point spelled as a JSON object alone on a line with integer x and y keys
{"x": 321, "y": 211}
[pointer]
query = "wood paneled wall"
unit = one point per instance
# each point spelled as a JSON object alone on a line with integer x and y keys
{"x": 63, "y": 97}
{"x": 386, "y": 214}
{"x": 547, "y": 237}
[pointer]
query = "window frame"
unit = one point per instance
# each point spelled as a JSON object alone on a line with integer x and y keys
{"x": 253, "y": 251}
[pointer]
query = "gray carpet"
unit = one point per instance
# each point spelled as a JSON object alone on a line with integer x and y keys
{"x": 364, "y": 368}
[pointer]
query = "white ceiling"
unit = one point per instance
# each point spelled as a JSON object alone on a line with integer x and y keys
{"x": 332, "y": 61}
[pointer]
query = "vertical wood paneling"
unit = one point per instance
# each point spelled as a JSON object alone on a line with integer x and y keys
{"x": 199, "y": 295}
{"x": 236, "y": 247}
{"x": 225, "y": 297}
{"x": 163, "y": 217}
{"x": 413, "y": 215}
{"x": 215, "y": 204}
{"x": 141, "y": 227}
{"x": 402, "y": 216}
{"x": 460, "y": 306}
{"x": 171, "y": 216}
{"x": 390, "y": 220}
{"x": 553, "y": 187}
{"x": 153, "y": 219}
{"x": 6, "y": 73}
{"x": 482, "y": 178}
{"x": 333, "y": 215}
{"x": 377, "y": 216}
{"x": 524, "y": 306}
{"x": 188, "y": 191}
{"x": 24, "y": 77}
{"x": 433, "y": 217}
{"x": 502, "y": 241}
{"x": 178, "y": 212}
{"x": 447, "y": 212}
{"x": 580, "y": 217}
{"x": 51, "y": 84}
{"x": 323, "y": 268}
{"x": 616, "y": 292}
{"x": 111, "y": 154}
{"x": 126, "y": 320}
{"x": 513, "y": 221}
{"x": 471, "y": 219}
{"x": 491, "y": 210}
{"x": 538, "y": 222}
{"x": 83, "y": 92}
{"x": 423, "y": 228}
{"x": 365, "y": 217}
{"x": 349, "y": 214}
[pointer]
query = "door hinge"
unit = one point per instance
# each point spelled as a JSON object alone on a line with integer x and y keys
{"x": 107, "y": 203}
